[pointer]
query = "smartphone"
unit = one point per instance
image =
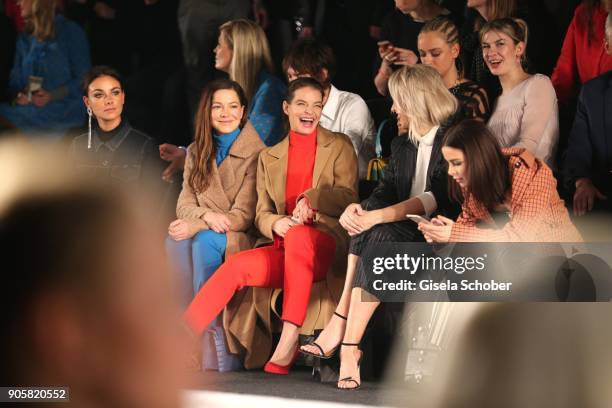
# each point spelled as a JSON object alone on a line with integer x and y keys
{"x": 417, "y": 218}
{"x": 34, "y": 85}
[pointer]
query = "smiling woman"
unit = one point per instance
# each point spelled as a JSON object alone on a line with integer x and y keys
{"x": 216, "y": 206}
{"x": 52, "y": 55}
{"x": 303, "y": 185}
{"x": 526, "y": 113}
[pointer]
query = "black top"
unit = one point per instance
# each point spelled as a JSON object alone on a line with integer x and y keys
{"x": 106, "y": 136}
{"x": 589, "y": 150}
{"x": 401, "y": 30}
{"x": 473, "y": 100}
{"x": 397, "y": 180}
{"x": 475, "y": 67}
{"x": 122, "y": 156}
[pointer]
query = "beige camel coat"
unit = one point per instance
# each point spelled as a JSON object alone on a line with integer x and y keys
{"x": 249, "y": 317}
{"x": 231, "y": 191}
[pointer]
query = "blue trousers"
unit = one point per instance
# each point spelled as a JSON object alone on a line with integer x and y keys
{"x": 196, "y": 260}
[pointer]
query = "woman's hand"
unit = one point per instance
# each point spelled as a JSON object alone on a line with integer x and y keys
{"x": 22, "y": 99}
{"x": 404, "y": 56}
{"x": 173, "y": 154}
{"x": 281, "y": 226}
{"x": 349, "y": 218}
{"x": 41, "y": 98}
{"x": 180, "y": 230}
{"x": 356, "y": 220}
{"x": 438, "y": 230}
{"x": 585, "y": 196}
{"x": 217, "y": 222}
{"x": 388, "y": 56}
{"x": 303, "y": 212}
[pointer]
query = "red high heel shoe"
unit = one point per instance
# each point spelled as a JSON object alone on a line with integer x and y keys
{"x": 273, "y": 368}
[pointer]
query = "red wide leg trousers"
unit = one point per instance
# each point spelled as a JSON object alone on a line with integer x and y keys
{"x": 306, "y": 257}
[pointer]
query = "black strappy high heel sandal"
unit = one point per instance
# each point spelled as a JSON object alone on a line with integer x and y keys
{"x": 351, "y": 379}
{"x": 323, "y": 355}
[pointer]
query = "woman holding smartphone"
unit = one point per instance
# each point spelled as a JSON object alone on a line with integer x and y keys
{"x": 399, "y": 33}
{"x": 52, "y": 57}
{"x": 507, "y": 194}
{"x": 303, "y": 185}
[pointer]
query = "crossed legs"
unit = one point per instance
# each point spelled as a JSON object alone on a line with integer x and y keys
{"x": 306, "y": 258}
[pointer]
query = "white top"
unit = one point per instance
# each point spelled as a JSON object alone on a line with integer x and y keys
{"x": 419, "y": 180}
{"x": 347, "y": 113}
{"x": 528, "y": 117}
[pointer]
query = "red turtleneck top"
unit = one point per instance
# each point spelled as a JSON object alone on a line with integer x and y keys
{"x": 300, "y": 166}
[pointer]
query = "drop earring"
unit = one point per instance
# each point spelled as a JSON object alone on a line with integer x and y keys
{"x": 90, "y": 113}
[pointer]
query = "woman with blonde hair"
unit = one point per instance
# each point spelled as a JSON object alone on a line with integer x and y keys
{"x": 526, "y": 113}
{"x": 475, "y": 67}
{"x": 414, "y": 182}
{"x": 244, "y": 54}
{"x": 52, "y": 57}
{"x": 439, "y": 47}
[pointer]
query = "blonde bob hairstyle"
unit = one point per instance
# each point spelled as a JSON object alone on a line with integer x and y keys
{"x": 250, "y": 53}
{"x": 40, "y": 23}
{"x": 419, "y": 93}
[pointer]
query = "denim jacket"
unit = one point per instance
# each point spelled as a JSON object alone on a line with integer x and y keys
{"x": 128, "y": 157}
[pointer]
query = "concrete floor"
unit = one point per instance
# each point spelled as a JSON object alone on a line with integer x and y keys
{"x": 299, "y": 384}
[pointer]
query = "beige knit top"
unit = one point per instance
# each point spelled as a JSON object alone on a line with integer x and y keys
{"x": 528, "y": 116}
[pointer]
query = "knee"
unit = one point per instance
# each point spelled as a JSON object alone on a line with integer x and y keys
{"x": 304, "y": 236}
{"x": 299, "y": 234}
{"x": 235, "y": 269}
{"x": 174, "y": 247}
{"x": 206, "y": 239}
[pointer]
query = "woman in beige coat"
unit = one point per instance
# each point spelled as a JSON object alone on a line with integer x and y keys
{"x": 303, "y": 185}
{"x": 216, "y": 207}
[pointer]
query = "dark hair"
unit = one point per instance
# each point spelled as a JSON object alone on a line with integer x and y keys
{"x": 515, "y": 28}
{"x": 488, "y": 176}
{"x": 449, "y": 30}
{"x": 204, "y": 148}
{"x": 311, "y": 56}
{"x": 97, "y": 72}
{"x": 300, "y": 83}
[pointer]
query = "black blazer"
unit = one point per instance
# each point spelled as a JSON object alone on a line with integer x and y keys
{"x": 397, "y": 181}
{"x": 589, "y": 151}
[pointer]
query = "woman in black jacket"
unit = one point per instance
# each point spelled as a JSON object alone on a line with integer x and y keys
{"x": 112, "y": 150}
{"x": 415, "y": 182}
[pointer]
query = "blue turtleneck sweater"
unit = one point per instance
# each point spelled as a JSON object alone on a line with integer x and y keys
{"x": 223, "y": 143}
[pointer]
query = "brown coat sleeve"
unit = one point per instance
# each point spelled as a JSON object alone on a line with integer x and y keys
{"x": 266, "y": 210}
{"x": 243, "y": 211}
{"x": 332, "y": 201}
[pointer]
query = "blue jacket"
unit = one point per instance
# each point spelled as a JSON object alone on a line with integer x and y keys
{"x": 62, "y": 61}
{"x": 266, "y": 111}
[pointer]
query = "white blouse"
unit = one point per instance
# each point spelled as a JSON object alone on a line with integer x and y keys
{"x": 528, "y": 117}
{"x": 419, "y": 180}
